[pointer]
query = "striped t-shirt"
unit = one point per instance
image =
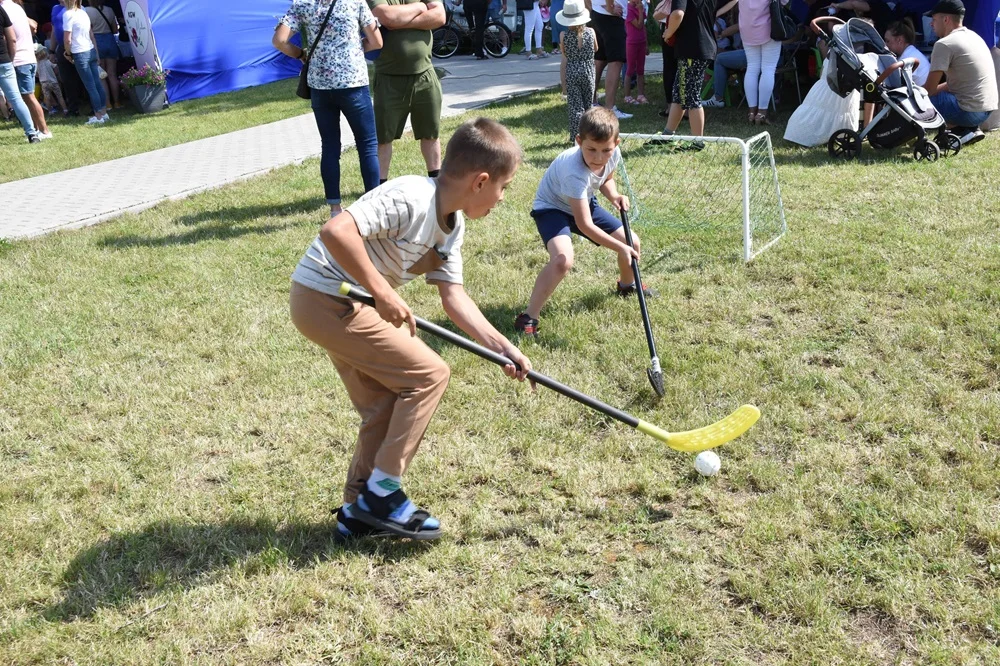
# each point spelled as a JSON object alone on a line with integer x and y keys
{"x": 403, "y": 235}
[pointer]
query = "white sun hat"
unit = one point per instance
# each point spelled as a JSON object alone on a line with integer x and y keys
{"x": 574, "y": 12}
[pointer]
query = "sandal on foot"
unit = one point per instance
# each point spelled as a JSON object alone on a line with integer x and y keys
{"x": 630, "y": 100}
{"x": 349, "y": 527}
{"x": 641, "y": 99}
{"x": 376, "y": 511}
{"x": 752, "y": 118}
{"x": 761, "y": 119}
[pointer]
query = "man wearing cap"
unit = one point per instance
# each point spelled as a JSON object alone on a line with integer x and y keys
{"x": 969, "y": 95}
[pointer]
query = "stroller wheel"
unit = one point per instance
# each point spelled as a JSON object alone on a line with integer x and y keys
{"x": 949, "y": 143}
{"x": 845, "y": 144}
{"x": 926, "y": 150}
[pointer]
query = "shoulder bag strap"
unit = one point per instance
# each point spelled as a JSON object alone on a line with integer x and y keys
{"x": 321, "y": 29}
{"x": 106, "y": 21}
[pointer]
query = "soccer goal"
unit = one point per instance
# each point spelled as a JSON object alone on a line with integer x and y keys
{"x": 713, "y": 193}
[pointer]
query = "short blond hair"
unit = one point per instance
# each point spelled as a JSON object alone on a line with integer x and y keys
{"x": 481, "y": 145}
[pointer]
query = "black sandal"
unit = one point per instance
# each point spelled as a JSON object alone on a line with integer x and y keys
{"x": 380, "y": 508}
{"x": 357, "y": 527}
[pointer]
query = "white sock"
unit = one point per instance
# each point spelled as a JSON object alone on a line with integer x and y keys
{"x": 383, "y": 484}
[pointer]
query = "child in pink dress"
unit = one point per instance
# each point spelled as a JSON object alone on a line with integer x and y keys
{"x": 635, "y": 51}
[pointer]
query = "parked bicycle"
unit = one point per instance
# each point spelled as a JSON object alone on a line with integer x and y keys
{"x": 454, "y": 34}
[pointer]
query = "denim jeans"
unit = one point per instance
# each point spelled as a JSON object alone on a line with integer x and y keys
{"x": 947, "y": 106}
{"x": 555, "y": 6}
{"x": 26, "y": 78}
{"x": 495, "y": 11}
{"x": 86, "y": 67}
{"x": 356, "y": 105}
{"x": 725, "y": 61}
{"x": 8, "y": 83}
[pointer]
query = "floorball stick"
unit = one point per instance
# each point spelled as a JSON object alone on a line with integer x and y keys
{"x": 653, "y": 371}
{"x": 691, "y": 441}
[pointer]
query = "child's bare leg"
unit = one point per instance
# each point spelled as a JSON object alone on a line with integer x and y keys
{"x": 560, "y": 262}
{"x": 626, "y": 276}
{"x": 628, "y": 83}
{"x": 641, "y": 85}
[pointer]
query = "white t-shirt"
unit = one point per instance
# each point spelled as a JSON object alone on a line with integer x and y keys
{"x": 77, "y": 24}
{"x": 569, "y": 177}
{"x": 403, "y": 236}
{"x": 923, "y": 66}
{"x": 25, "y": 54}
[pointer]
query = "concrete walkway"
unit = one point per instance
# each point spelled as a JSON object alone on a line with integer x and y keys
{"x": 91, "y": 194}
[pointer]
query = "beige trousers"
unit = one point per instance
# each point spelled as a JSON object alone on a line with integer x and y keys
{"x": 394, "y": 380}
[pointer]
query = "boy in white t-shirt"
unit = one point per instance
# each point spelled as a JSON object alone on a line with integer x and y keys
{"x": 407, "y": 227}
{"x": 566, "y": 204}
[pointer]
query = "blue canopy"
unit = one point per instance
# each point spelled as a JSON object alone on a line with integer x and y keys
{"x": 218, "y": 46}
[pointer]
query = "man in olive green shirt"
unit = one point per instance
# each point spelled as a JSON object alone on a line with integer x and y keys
{"x": 405, "y": 81}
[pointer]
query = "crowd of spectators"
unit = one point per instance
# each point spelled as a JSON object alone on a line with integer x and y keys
{"x": 50, "y": 67}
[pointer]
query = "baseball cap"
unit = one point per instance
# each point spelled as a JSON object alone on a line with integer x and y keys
{"x": 954, "y": 7}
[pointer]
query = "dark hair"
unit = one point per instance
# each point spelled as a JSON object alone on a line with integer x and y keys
{"x": 481, "y": 145}
{"x": 598, "y": 123}
{"x": 904, "y": 29}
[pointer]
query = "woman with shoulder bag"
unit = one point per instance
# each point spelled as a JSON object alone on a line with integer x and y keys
{"x": 338, "y": 78}
{"x": 105, "y": 27}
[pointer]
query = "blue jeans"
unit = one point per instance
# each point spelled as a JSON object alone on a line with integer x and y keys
{"x": 86, "y": 67}
{"x": 947, "y": 106}
{"x": 8, "y": 83}
{"x": 356, "y": 105}
{"x": 26, "y": 78}
{"x": 495, "y": 11}
{"x": 725, "y": 61}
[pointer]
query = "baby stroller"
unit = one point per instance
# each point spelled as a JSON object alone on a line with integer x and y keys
{"x": 860, "y": 60}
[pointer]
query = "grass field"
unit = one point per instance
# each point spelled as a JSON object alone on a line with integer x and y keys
{"x": 74, "y": 144}
{"x": 170, "y": 447}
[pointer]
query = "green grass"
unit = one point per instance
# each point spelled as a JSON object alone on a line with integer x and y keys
{"x": 130, "y": 133}
{"x": 170, "y": 446}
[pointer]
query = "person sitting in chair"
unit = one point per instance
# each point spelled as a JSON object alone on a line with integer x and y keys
{"x": 969, "y": 95}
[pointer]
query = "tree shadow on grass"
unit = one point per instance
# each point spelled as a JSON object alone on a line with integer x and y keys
{"x": 168, "y": 555}
{"x": 247, "y": 213}
{"x": 206, "y": 233}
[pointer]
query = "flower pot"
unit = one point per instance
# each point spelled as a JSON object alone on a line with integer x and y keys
{"x": 148, "y": 99}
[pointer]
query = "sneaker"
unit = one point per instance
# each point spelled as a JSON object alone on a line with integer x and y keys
{"x": 94, "y": 120}
{"x": 629, "y": 290}
{"x": 662, "y": 138}
{"x": 533, "y": 56}
{"x": 714, "y": 103}
{"x": 34, "y": 139}
{"x": 971, "y": 135}
{"x": 45, "y": 135}
{"x": 526, "y": 325}
{"x": 620, "y": 115}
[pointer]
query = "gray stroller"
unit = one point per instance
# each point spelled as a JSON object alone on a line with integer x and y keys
{"x": 860, "y": 60}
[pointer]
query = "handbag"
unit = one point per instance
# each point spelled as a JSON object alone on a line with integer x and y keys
{"x": 304, "y": 91}
{"x": 783, "y": 24}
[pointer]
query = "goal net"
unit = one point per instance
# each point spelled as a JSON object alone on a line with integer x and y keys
{"x": 712, "y": 195}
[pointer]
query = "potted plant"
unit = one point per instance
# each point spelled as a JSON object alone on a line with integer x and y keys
{"x": 147, "y": 88}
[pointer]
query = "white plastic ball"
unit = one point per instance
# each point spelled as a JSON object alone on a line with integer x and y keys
{"x": 707, "y": 463}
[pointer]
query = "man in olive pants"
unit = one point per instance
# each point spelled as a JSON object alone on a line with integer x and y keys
{"x": 406, "y": 84}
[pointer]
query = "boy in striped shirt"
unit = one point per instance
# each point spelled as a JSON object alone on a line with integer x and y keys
{"x": 407, "y": 227}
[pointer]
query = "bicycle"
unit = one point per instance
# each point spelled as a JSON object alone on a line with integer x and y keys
{"x": 497, "y": 37}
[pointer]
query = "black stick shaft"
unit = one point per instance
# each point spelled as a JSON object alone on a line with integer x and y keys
{"x": 502, "y": 360}
{"x": 638, "y": 285}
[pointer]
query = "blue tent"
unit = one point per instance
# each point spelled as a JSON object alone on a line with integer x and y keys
{"x": 223, "y": 45}
{"x": 219, "y": 46}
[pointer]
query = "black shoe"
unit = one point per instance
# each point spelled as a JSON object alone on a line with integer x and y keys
{"x": 482, "y": 57}
{"x": 34, "y": 139}
{"x": 969, "y": 135}
{"x": 377, "y": 512}
{"x": 625, "y": 292}
{"x": 526, "y": 325}
{"x": 663, "y": 113}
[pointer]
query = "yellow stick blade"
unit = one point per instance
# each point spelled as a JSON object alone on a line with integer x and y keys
{"x": 709, "y": 437}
